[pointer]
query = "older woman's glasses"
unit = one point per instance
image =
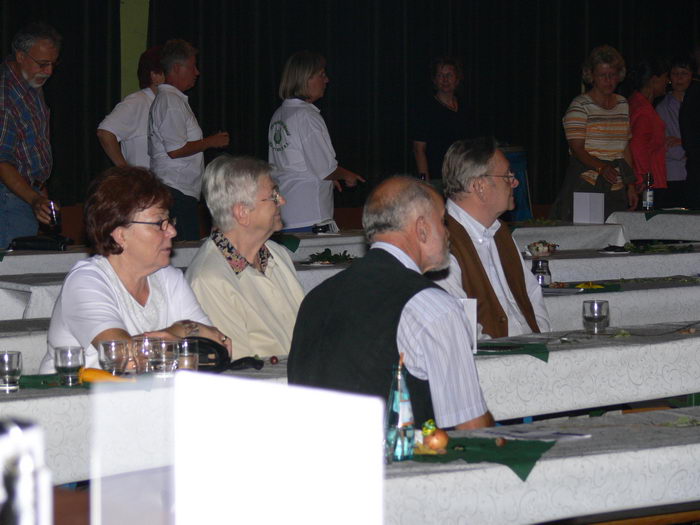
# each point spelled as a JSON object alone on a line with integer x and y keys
{"x": 162, "y": 224}
{"x": 275, "y": 197}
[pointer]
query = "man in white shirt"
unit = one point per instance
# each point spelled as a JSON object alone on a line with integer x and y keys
{"x": 241, "y": 278}
{"x": 352, "y": 328}
{"x": 175, "y": 143}
{"x": 123, "y": 133}
{"x": 485, "y": 262}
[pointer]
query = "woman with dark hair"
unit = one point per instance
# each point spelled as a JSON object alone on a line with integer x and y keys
{"x": 442, "y": 120}
{"x": 128, "y": 288}
{"x": 648, "y": 79}
{"x": 300, "y": 148}
{"x": 681, "y": 76}
{"x": 596, "y": 125}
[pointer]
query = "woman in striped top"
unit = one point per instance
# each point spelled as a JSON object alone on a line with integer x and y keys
{"x": 597, "y": 129}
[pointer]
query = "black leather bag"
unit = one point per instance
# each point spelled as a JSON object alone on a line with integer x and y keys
{"x": 213, "y": 357}
{"x": 56, "y": 243}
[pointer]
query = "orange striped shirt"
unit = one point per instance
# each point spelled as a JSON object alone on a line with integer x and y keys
{"x": 605, "y": 132}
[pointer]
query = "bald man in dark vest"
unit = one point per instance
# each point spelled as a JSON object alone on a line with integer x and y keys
{"x": 485, "y": 263}
{"x": 352, "y": 327}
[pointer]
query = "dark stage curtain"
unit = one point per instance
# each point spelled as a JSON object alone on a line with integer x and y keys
{"x": 82, "y": 90}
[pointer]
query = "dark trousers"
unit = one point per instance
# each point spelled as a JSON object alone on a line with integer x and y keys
{"x": 185, "y": 208}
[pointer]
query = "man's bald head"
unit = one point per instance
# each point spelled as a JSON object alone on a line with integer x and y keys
{"x": 394, "y": 202}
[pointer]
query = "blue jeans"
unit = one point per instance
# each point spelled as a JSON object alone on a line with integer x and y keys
{"x": 16, "y": 217}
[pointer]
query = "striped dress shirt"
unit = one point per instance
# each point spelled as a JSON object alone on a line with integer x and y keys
{"x": 434, "y": 337}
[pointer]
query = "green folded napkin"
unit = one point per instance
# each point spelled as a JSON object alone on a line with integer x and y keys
{"x": 291, "y": 242}
{"x": 519, "y": 456}
{"x": 538, "y": 350}
{"x": 43, "y": 381}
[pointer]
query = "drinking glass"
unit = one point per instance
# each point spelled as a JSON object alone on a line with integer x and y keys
{"x": 143, "y": 349}
{"x": 10, "y": 370}
{"x": 114, "y": 356}
{"x": 163, "y": 359}
{"x": 188, "y": 358}
{"x": 69, "y": 360}
{"x": 596, "y": 316}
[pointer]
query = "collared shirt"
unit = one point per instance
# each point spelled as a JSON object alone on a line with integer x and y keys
{"x": 488, "y": 255}
{"x": 301, "y": 151}
{"x": 434, "y": 337}
{"x": 171, "y": 125}
{"x": 668, "y": 110}
{"x": 128, "y": 121}
{"x": 24, "y": 127}
{"x": 235, "y": 260}
{"x": 257, "y": 310}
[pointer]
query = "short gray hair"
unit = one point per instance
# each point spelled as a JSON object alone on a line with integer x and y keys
{"x": 465, "y": 161}
{"x": 385, "y": 213}
{"x": 26, "y": 37}
{"x": 228, "y": 181}
{"x": 176, "y": 51}
{"x": 298, "y": 69}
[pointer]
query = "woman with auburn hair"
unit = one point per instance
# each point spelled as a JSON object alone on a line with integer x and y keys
{"x": 128, "y": 287}
{"x": 597, "y": 129}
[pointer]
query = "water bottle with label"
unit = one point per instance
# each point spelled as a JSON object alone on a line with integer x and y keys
{"x": 399, "y": 428}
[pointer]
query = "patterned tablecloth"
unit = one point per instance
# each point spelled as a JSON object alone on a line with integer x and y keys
{"x": 571, "y": 236}
{"x": 31, "y": 262}
{"x": 584, "y": 373}
{"x": 590, "y": 265}
{"x": 661, "y": 225}
{"x": 629, "y": 462}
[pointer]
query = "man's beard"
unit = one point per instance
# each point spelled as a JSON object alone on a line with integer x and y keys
{"x": 37, "y": 80}
{"x": 445, "y": 262}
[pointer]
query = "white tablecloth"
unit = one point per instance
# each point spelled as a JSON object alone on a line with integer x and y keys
{"x": 629, "y": 462}
{"x": 571, "y": 236}
{"x": 629, "y": 307}
{"x": 668, "y": 226}
{"x": 586, "y": 265}
{"x": 593, "y": 372}
{"x": 29, "y": 262}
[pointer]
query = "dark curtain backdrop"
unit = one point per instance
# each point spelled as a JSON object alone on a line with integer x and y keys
{"x": 522, "y": 67}
{"x": 522, "y": 62}
{"x": 84, "y": 87}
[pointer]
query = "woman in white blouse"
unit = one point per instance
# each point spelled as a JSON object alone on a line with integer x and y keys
{"x": 128, "y": 288}
{"x": 300, "y": 148}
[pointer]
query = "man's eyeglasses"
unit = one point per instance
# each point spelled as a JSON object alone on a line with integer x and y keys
{"x": 510, "y": 177}
{"x": 43, "y": 64}
{"x": 162, "y": 224}
{"x": 275, "y": 197}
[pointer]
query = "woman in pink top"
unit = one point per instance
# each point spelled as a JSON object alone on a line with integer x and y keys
{"x": 648, "y": 79}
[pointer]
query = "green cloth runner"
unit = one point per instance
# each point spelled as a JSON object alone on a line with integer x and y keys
{"x": 43, "y": 381}
{"x": 518, "y": 455}
{"x": 291, "y": 242}
{"x": 538, "y": 350}
{"x": 649, "y": 214}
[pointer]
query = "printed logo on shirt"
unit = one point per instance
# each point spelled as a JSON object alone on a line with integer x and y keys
{"x": 278, "y": 134}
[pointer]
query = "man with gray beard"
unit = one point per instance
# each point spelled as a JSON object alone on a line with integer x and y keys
{"x": 352, "y": 328}
{"x": 25, "y": 150}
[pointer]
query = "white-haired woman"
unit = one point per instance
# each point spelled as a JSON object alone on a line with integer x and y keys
{"x": 300, "y": 147}
{"x": 245, "y": 282}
